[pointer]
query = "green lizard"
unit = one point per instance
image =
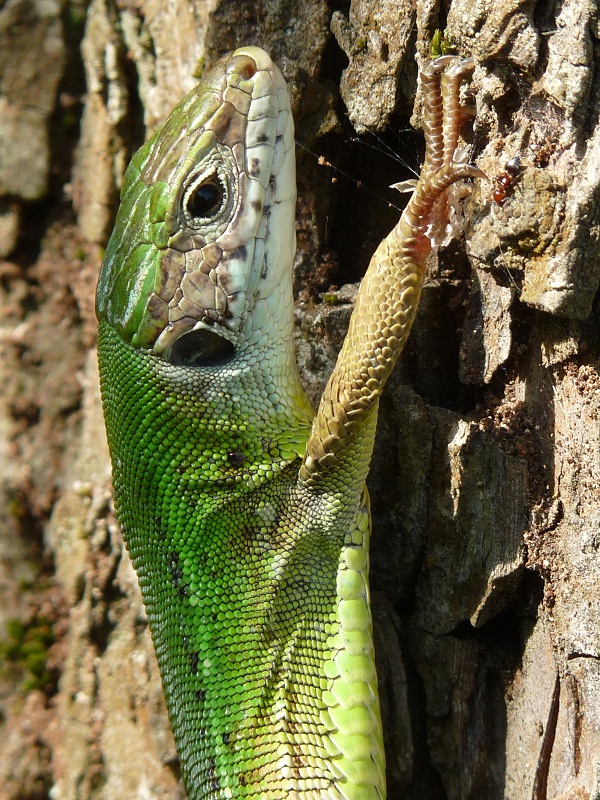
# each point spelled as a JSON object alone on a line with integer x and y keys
{"x": 244, "y": 512}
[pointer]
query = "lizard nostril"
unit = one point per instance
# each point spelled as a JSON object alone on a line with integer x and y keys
{"x": 248, "y": 71}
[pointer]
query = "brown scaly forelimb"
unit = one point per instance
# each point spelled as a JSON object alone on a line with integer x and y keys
{"x": 389, "y": 293}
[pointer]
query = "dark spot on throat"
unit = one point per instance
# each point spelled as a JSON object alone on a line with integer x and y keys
{"x": 236, "y": 458}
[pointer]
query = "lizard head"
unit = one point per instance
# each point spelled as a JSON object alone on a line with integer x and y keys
{"x": 198, "y": 267}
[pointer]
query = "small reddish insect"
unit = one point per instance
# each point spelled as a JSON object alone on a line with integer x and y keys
{"x": 505, "y": 181}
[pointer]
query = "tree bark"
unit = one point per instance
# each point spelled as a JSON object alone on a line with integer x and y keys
{"x": 485, "y": 480}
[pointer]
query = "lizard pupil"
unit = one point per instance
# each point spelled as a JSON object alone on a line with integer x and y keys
{"x": 206, "y": 199}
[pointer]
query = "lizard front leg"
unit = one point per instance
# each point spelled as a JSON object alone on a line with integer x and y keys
{"x": 389, "y": 293}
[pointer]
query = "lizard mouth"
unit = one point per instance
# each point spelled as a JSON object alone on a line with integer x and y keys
{"x": 200, "y": 348}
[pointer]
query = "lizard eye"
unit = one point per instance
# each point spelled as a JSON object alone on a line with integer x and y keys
{"x": 204, "y": 198}
{"x": 201, "y": 348}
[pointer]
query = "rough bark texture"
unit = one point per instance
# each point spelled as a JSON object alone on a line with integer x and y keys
{"x": 485, "y": 481}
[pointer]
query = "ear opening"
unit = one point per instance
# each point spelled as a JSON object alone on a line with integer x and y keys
{"x": 201, "y": 348}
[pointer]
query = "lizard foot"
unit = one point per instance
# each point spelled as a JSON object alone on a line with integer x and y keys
{"x": 428, "y": 211}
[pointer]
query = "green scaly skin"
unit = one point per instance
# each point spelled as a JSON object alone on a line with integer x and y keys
{"x": 247, "y": 519}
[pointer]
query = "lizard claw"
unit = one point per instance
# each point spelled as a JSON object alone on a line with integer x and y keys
{"x": 443, "y": 114}
{"x": 431, "y": 211}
